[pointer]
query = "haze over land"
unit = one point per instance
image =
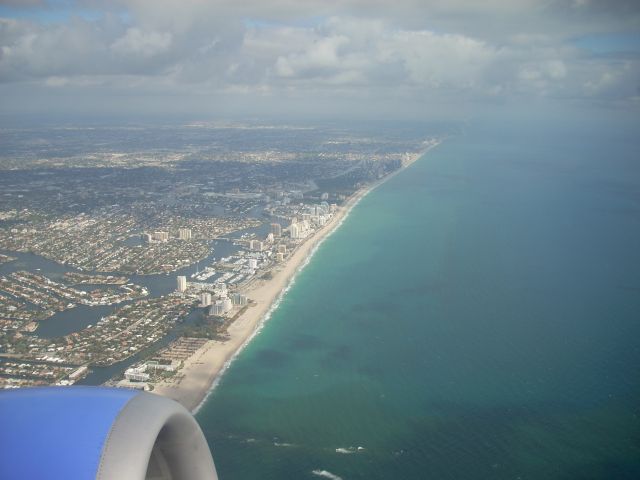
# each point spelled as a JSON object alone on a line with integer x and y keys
{"x": 313, "y": 59}
{"x": 167, "y": 168}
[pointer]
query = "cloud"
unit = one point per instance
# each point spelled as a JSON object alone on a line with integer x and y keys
{"x": 448, "y": 51}
{"x": 22, "y": 3}
{"x": 138, "y": 43}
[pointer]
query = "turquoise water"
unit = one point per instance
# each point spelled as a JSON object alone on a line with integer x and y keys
{"x": 477, "y": 316}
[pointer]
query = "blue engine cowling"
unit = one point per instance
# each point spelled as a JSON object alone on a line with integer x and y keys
{"x": 86, "y": 433}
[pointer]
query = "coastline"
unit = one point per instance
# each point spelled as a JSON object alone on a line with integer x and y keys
{"x": 202, "y": 371}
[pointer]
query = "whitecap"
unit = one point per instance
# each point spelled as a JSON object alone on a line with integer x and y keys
{"x": 326, "y": 474}
{"x": 345, "y": 450}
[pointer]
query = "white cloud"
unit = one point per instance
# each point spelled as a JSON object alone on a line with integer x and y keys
{"x": 317, "y": 59}
{"x": 453, "y": 50}
{"x": 136, "y": 42}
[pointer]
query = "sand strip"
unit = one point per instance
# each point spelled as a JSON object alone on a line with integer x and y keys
{"x": 201, "y": 371}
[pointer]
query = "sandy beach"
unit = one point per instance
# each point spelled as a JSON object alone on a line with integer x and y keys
{"x": 196, "y": 379}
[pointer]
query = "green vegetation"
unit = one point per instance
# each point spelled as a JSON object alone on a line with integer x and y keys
{"x": 205, "y": 327}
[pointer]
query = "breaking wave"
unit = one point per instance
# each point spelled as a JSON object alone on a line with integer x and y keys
{"x": 326, "y": 474}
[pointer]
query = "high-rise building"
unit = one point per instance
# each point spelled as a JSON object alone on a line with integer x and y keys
{"x": 276, "y": 229}
{"x": 182, "y": 283}
{"x": 256, "y": 245}
{"x": 205, "y": 299}
{"x": 217, "y": 308}
{"x": 282, "y": 249}
{"x": 147, "y": 238}
{"x": 295, "y": 230}
{"x": 184, "y": 233}
{"x": 279, "y": 257}
{"x": 227, "y": 304}
{"x": 161, "y": 236}
{"x": 239, "y": 299}
{"x": 253, "y": 263}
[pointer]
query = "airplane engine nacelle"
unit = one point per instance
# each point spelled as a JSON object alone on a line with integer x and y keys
{"x": 87, "y": 433}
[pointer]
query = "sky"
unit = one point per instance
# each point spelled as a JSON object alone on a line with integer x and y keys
{"x": 334, "y": 58}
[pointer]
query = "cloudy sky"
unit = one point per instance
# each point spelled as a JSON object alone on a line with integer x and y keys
{"x": 357, "y": 57}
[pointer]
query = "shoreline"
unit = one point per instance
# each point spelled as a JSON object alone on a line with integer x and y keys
{"x": 202, "y": 372}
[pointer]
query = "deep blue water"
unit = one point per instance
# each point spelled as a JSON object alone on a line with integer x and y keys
{"x": 476, "y": 317}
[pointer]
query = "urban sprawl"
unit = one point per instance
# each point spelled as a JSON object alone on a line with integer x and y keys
{"x": 157, "y": 208}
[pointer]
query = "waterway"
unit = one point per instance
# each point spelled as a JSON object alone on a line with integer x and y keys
{"x": 79, "y": 317}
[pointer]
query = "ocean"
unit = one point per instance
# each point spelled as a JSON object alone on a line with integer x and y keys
{"x": 477, "y": 316}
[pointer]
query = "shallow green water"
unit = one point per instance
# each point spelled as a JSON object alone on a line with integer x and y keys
{"x": 477, "y": 316}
